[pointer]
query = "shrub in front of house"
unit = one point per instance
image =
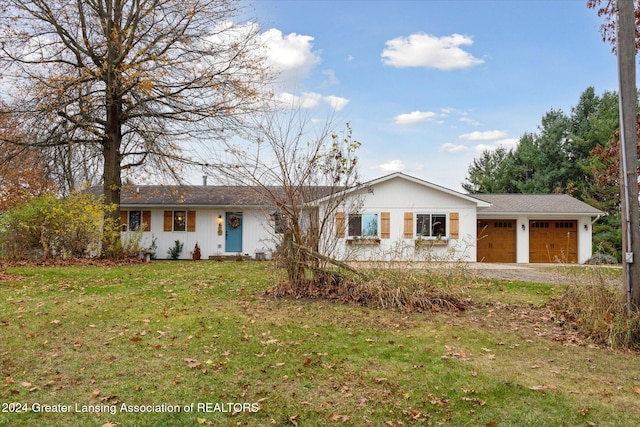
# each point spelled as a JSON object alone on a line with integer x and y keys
{"x": 52, "y": 227}
{"x": 175, "y": 251}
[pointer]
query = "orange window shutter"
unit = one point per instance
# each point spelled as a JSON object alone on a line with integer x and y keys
{"x": 408, "y": 225}
{"x": 168, "y": 221}
{"x": 146, "y": 220}
{"x": 191, "y": 221}
{"x": 124, "y": 220}
{"x": 385, "y": 225}
{"x": 454, "y": 225}
{"x": 340, "y": 225}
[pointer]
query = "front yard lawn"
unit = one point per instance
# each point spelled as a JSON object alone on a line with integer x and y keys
{"x": 197, "y": 343}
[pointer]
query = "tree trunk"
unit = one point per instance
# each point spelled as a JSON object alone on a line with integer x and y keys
{"x": 112, "y": 180}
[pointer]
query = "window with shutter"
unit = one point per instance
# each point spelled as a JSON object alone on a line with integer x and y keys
{"x": 431, "y": 225}
{"x": 363, "y": 225}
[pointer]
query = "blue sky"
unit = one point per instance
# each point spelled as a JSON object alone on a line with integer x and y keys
{"x": 427, "y": 85}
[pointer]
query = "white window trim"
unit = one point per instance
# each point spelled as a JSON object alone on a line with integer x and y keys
{"x": 376, "y": 237}
{"x": 431, "y": 214}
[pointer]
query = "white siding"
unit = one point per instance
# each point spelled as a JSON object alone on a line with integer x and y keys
{"x": 257, "y": 232}
{"x": 398, "y": 196}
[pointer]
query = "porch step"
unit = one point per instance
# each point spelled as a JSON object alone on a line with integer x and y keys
{"x": 230, "y": 258}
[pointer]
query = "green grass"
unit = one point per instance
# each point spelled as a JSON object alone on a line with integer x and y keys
{"x": 183, "y": 333}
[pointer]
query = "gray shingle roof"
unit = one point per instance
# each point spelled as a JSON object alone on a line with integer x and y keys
{"x": 205, "y": 195}
{"x": 535, "y": 203}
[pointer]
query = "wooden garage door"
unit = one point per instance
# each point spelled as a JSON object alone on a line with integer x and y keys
{"x": 496, "y": 240}
{"x": 553, "y": 241}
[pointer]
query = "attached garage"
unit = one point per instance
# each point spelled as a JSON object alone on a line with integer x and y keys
{"x": 534, "y": 228}
{"x": 496, "y": 240}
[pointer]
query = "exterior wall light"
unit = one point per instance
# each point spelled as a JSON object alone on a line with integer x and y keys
{"x": 523, "y": 227}
{"x": 219, "y": 225}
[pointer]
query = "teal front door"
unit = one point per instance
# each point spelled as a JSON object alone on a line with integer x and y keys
{"x": 233, "y": 234}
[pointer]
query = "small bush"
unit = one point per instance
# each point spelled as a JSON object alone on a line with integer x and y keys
{"x": 175, "y": 251}
{"x": 600, "y": 258}
{"x": 598, "y": 312}
{"x": 196, "y": 255}
{"x": 52, "y": 227}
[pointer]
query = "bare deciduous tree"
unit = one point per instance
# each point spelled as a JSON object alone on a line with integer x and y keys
{"x": 294, "y": 161}
{"x": 133, "y": 81}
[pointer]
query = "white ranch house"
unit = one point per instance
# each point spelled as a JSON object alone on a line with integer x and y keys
{"x": 400, "y": 217}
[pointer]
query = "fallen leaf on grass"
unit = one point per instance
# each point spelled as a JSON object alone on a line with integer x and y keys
{"x": 192, "y": 363}
{"x": 294, "y": 420}
{"x": 338, "y": 417}
{"x": 480, "y": 402}
{"x": 636, "y": 389}
{"x": 543, "y": 387}
{"x": 95, "y": 393}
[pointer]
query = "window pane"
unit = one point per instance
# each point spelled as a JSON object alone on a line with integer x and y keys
{"x": 370, "y": 225}
{"x": 438, "y": 225}
{"x": 355, "y": 225}
{"x": 135, "y": 219}
{"x": 280, "y": 223}
{"x": 423, "y": 225}
{"x": 179, "y": 220}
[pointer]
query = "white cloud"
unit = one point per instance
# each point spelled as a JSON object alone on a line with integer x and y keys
{"x": 336, "y": 102}
{"x": 309, "y": 100}
{"x": 415, "y": 117}
{"x": 490, "y": 135}
{"x": 469, "y": 121}
{"x": 425, "y": 50}
{"x": 331, "y": 78}
{"x": 392, "y": 166}
{"x": 305, "y": 101}
{"x": 291, "y": 55}
{"x": 454, "y": 148}
{"x": 507, "y": 143}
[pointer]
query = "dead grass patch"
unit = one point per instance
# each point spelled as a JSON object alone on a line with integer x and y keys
{"x": 597, "y": 311}
{"x": 404, "y": 290}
